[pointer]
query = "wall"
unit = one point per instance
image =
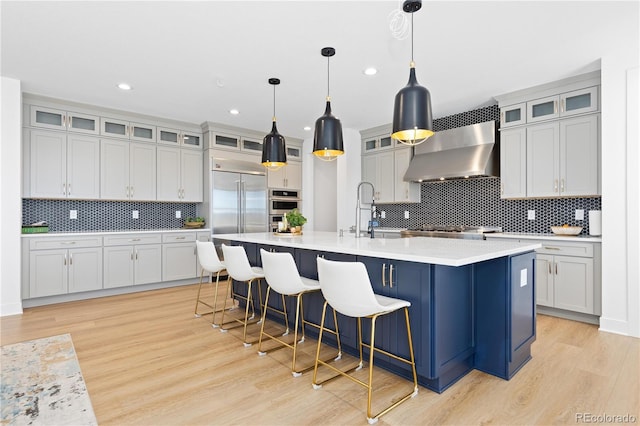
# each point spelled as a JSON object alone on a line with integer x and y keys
{"x": 10, "y": 178}
{"x": 105, "y": 215}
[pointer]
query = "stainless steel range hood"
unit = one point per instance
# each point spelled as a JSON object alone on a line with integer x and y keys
{"x": 463, "y": 152}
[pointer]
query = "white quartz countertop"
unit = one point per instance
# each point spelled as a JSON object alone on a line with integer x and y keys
{"x": 101, "y": 233}
{"x": 440, "y": 251}
{"x": 547, "y": 236}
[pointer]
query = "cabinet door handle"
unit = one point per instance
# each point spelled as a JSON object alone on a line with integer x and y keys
{"x": 549, "y": 268}
{"x": 136, "y": 254}
{"x": 64, "y": 121}
{"x": 68, "y": 189}
{"x": 502, "y": 117}
{"x": 555, "y": 107}
{"x": 563, "y": 105}
{"x": 71, "y": 259}
{"x": 384, "y": 275}
{"x": 64, "y": 189}
{"x": 131, "y": 255}
{"x": 501, "y": 188}
{"x": 555, "y": 185}
{"x": 64, "y": 262}
{"x": 556, "y": 268}
{"x": 391, "y": 276}
{"x": 562, "y": 185}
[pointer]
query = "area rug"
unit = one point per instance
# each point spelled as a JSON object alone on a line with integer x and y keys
{"x": 41, "y": 384}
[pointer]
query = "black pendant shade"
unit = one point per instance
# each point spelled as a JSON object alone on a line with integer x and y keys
{"x": 327, "y": 137}
{"x": 412, "y": 114}
{"x": 274, "y": 151}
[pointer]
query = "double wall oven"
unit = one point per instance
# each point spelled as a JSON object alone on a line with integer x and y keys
{"x": 281, "y": 202}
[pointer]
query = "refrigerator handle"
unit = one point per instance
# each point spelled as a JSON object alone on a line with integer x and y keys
{"x": 239, "y": 189}
{"x": 243, "y": 211}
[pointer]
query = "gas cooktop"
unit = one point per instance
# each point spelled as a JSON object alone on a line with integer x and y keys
{"x": 450, "y": 231}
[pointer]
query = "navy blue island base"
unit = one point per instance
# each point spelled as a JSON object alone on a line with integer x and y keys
{"x": 477, "y": 316}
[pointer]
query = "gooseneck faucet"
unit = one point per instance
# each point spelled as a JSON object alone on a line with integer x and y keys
{"x": 360, "y": 207}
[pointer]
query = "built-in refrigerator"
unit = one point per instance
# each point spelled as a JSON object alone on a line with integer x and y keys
{"x": 238, "y": 197}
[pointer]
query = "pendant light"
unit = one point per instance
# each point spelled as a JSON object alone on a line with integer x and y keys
{"x": 274, "y": 152}
{"x": 327, "y": 138}
{"x": 412, "y": 115}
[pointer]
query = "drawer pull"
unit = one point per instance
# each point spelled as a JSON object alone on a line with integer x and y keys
{"x": 68, "y": 242}
{"x": 550, "y": 248}
{"x": 180, "y": 238}
{"x": 134, "y": 239}
{"x": 384, "y": 273}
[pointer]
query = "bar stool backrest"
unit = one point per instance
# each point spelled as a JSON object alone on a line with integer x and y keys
{"x": 347, "y": 288}
{"x": 208, "y": 257}
{"x": 237, "y": 263}
{"x": 281, "y": 272}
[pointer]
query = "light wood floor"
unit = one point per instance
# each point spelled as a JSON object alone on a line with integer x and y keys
{"x": 147, "y": 361}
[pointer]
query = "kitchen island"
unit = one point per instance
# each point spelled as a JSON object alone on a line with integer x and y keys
{"x": 472, "y": 301}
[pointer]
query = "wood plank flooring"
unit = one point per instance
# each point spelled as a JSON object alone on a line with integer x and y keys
{"x": 147, "y": 360}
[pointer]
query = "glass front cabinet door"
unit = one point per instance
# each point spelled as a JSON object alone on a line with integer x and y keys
{"x": 513, "y": 115}
{"x": 51, "y": 118}
{"x": 542, "y": 109}
{"x": 579, "y": 101}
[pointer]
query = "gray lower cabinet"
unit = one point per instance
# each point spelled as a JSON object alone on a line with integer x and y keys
{"x": 179, "y": 260}
{"x": 568, "y": 278}
{"x": 55, "y": 266}
{"x": 565, "y": 278}
{"x": 61, "y": 266}
{"x": 132, "y": 259}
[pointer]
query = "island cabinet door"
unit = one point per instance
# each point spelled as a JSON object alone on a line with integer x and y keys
{"x": 504, "y": 314}
{"x": 308, "y": 267}
{"x": 275, "y": 298}
{"x": 407, "y": 281}
{"x": 451, "y": 327}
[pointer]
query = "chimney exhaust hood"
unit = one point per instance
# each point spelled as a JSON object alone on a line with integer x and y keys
{"x": 463, "y": 152}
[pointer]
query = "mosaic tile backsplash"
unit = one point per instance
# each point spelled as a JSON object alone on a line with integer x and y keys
{"x": 105, "y": 215}
{"x": 477, "y": 201}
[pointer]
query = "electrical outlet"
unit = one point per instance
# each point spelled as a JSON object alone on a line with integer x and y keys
{"x": 579, "y": 214}
{"x": 135, "y": 214}
{"x": 531, "y": 214}
{"x": 406, "y": 214}
{"x": 73, "y": 214}
{"x": 178, "y": 214}
{"x": 383, "y": 214}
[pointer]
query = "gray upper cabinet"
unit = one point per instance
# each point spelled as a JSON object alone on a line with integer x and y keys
{"x": 513, "y": 115}
{"x": 127, "y": 130}
{"x": 52, "y": 118}
{"x": 179, "y": 138}
{"x": 550, "y": 140}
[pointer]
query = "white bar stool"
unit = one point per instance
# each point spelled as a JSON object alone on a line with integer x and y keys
{"x": 347, "y": 288}
{"x": 239, "y": 269}
{"x": 282, "y": 276}
{"x": 211, "y": 264}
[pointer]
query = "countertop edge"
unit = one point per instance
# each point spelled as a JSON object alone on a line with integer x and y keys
{"x": 550, "y": 237}
{"x": 104, "y": 233}
{"x": 336, "y": 246}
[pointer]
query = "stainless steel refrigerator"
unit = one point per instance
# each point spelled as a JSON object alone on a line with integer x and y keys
{"x": 239, "y": 197}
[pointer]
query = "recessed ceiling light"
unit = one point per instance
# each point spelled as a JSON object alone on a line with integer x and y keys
{"x": 370, "y": 71}
{"x": 124, "y": 86}
{"x": 234, "y": 111}
{"x": 307, "y": 128}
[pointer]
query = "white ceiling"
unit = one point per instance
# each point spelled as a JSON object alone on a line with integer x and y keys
{"x": 193, "y": 61}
